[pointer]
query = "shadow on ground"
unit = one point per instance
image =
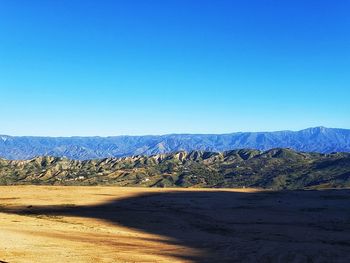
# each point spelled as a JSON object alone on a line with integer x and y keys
{"x": 290, "y": 226}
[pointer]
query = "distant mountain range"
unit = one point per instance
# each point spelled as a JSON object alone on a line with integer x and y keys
{"x": 318, "y": 139}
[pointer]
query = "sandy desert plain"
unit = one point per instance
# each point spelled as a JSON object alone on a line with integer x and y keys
{"x": 113, "y": 224}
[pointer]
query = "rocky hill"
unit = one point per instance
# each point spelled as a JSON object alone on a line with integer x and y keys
{"x": 320, "y": 139}
{"x": 276, "y": 169}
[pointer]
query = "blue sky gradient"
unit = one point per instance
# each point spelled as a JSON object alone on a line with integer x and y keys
{"x": 154, "y": 67}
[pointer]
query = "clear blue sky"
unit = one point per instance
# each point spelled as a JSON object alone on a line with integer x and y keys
{"x": 173, "y": 66}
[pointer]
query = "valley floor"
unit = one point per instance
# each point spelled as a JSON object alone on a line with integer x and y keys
{"x": 111, "y": 224}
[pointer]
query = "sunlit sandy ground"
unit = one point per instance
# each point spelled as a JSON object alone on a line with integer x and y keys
{"x": 110, "y": 224}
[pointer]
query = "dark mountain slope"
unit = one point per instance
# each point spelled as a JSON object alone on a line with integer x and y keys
{"x": 320, "y": 139}
{"x": 275, "y": 169}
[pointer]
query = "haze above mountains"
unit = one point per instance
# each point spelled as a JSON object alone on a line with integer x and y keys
{"x": 318, "y": 139}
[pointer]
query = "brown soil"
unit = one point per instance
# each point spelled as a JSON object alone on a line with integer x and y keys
{"x": 111, "y": 224}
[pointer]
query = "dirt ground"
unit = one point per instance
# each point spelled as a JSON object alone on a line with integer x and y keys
{"x": 111, "y": 224}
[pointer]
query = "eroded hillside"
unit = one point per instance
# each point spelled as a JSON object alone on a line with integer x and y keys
{"x": 275, "y": 169}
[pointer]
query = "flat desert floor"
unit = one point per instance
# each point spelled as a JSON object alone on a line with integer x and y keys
{"x": 111, "y": 224}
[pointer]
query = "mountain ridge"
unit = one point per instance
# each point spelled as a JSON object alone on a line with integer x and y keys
{"x": 316, "y": 139}
{"x": 277, "y": 168}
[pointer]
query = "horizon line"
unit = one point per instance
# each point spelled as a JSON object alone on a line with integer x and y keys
{"x": 168, "y": 134}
